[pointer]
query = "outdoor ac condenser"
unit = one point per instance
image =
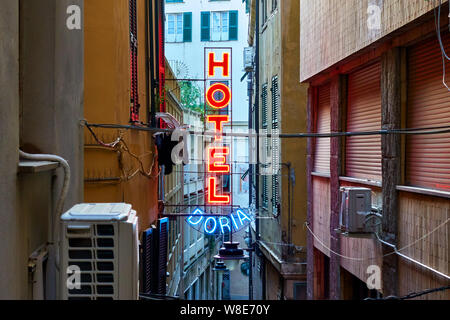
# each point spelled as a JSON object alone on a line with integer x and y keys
{"x": 248, "y": 59}
{"x": 356, "y": 205}
{"x": 99, "y": 247}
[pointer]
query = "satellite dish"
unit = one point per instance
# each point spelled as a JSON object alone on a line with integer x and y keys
{"x": 180, "y": 69}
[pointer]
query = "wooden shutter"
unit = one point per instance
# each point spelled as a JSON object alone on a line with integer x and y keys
{"x": 363, "y": 153}
{"x": 428, "y": 156}
{"x": 205, "y": 26}
{"x": 264, "y": 116}
{"x": 323, "y": 125}
{"x": 275, "y": 146}
{"x": 134, "y": 92}
{"x": 233, "y": 29}
{"x": 187, "y": 27}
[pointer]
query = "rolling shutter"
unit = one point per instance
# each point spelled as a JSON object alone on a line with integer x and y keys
{"x": 187, "y": 27}
{"x": 205, "y": 26}
{"x": 323, "y": 125}
{"x": 363, "y": 153}
{"x": 428, "y": 156}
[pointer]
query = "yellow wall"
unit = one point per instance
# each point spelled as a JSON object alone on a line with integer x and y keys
{"x": 279, "y": 52}
{"x": 107, "y": 100}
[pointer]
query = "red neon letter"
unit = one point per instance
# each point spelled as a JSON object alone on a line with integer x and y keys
{"x": 224, "y": 64}
{"x": 217, "y": 160}
{"x": 218, "y": 119}
{"x": 218, "y": 87}
{"x": 213, "y": 197}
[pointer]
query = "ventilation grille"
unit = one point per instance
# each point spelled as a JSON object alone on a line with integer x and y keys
{"x": 92, "y": 249}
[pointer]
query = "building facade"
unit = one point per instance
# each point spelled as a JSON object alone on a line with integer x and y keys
{"x": 125, "y": 68}
{"x": 191, "y": 26}
{"x": 384, "y": 73}
{"x": 279, "y": 266}
{"x": 41, "y": 85}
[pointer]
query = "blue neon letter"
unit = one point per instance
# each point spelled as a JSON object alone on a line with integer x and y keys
{"x": 224, "y": 224}
{"x": 207, "y": 223}
{"x": 242, "y": 216}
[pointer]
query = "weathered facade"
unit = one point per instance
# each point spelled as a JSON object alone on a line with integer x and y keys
{"x": 125, "y": 70}
{"x": 382, "y": 73}
{"x": 280, "y": 262}
{"x": 41, "y": 89}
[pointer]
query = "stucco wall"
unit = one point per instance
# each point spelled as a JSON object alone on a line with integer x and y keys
{"x": 9, "y": 143}
{"x": 107, "y": 100}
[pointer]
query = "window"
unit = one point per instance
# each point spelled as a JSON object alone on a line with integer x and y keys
{"x": 263, "y": 11}
{"x": 179, "y": 27}
{"x": 265, "y": 193}
{"x": 274, "y": 4}
{"x": 219, "y": 26}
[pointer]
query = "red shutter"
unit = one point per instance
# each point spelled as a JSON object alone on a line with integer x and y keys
{"x": 134, "y": 96}
{"x": 322, "y": 149}
{"x": 428, "y": 156}
{"x": 363, "y": 153}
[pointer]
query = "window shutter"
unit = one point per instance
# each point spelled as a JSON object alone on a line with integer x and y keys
{"x": 134, "y": 93}
{"x": 205, "y": 26}
{"x": 363, "y": 153}
{"x": 148, "y": 262}
{"x": 428, "y": 156}
{"x": 275, "y": 146}
{"x": 187, "y": 27}
{"x": 163, "y": 234}
{"x": 264, "y": 114}
{"x": 323, "y": 125}
{"x": 233, "y": 30}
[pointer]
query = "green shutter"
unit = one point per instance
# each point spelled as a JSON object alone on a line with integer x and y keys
{"x": 206, "y": 20}
{"x": 187, "y": 27}
{"x": 233, "y": 31}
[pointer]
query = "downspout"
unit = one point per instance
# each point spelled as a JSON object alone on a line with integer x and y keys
{"x": 257, "y": 118}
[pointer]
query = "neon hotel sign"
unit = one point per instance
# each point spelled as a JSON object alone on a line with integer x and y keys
{"x": 218, "y": 98}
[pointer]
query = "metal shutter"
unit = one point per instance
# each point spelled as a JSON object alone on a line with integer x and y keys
{"x": 363, "y": 153}
{"x": 322, "y": 149}
{"x": 428, "y": 156}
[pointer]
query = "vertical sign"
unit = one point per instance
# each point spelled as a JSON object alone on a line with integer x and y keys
{"x": 218, "y": 98}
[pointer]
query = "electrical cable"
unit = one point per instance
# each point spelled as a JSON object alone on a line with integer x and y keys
{"x": 411, "y": 295}
{"x": 406, "y": 131}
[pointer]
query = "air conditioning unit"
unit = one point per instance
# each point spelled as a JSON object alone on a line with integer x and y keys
{"x": 248, "y": 59}
{"x": 99, "y": 252}
{"x": 355, "y": 207}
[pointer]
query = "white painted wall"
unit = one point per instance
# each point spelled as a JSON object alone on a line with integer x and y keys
{"x": 192, "y": 53}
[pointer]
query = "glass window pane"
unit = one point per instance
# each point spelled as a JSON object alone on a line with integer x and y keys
{"x": 225, "y": 26}
{"x": 216, "y": 28}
